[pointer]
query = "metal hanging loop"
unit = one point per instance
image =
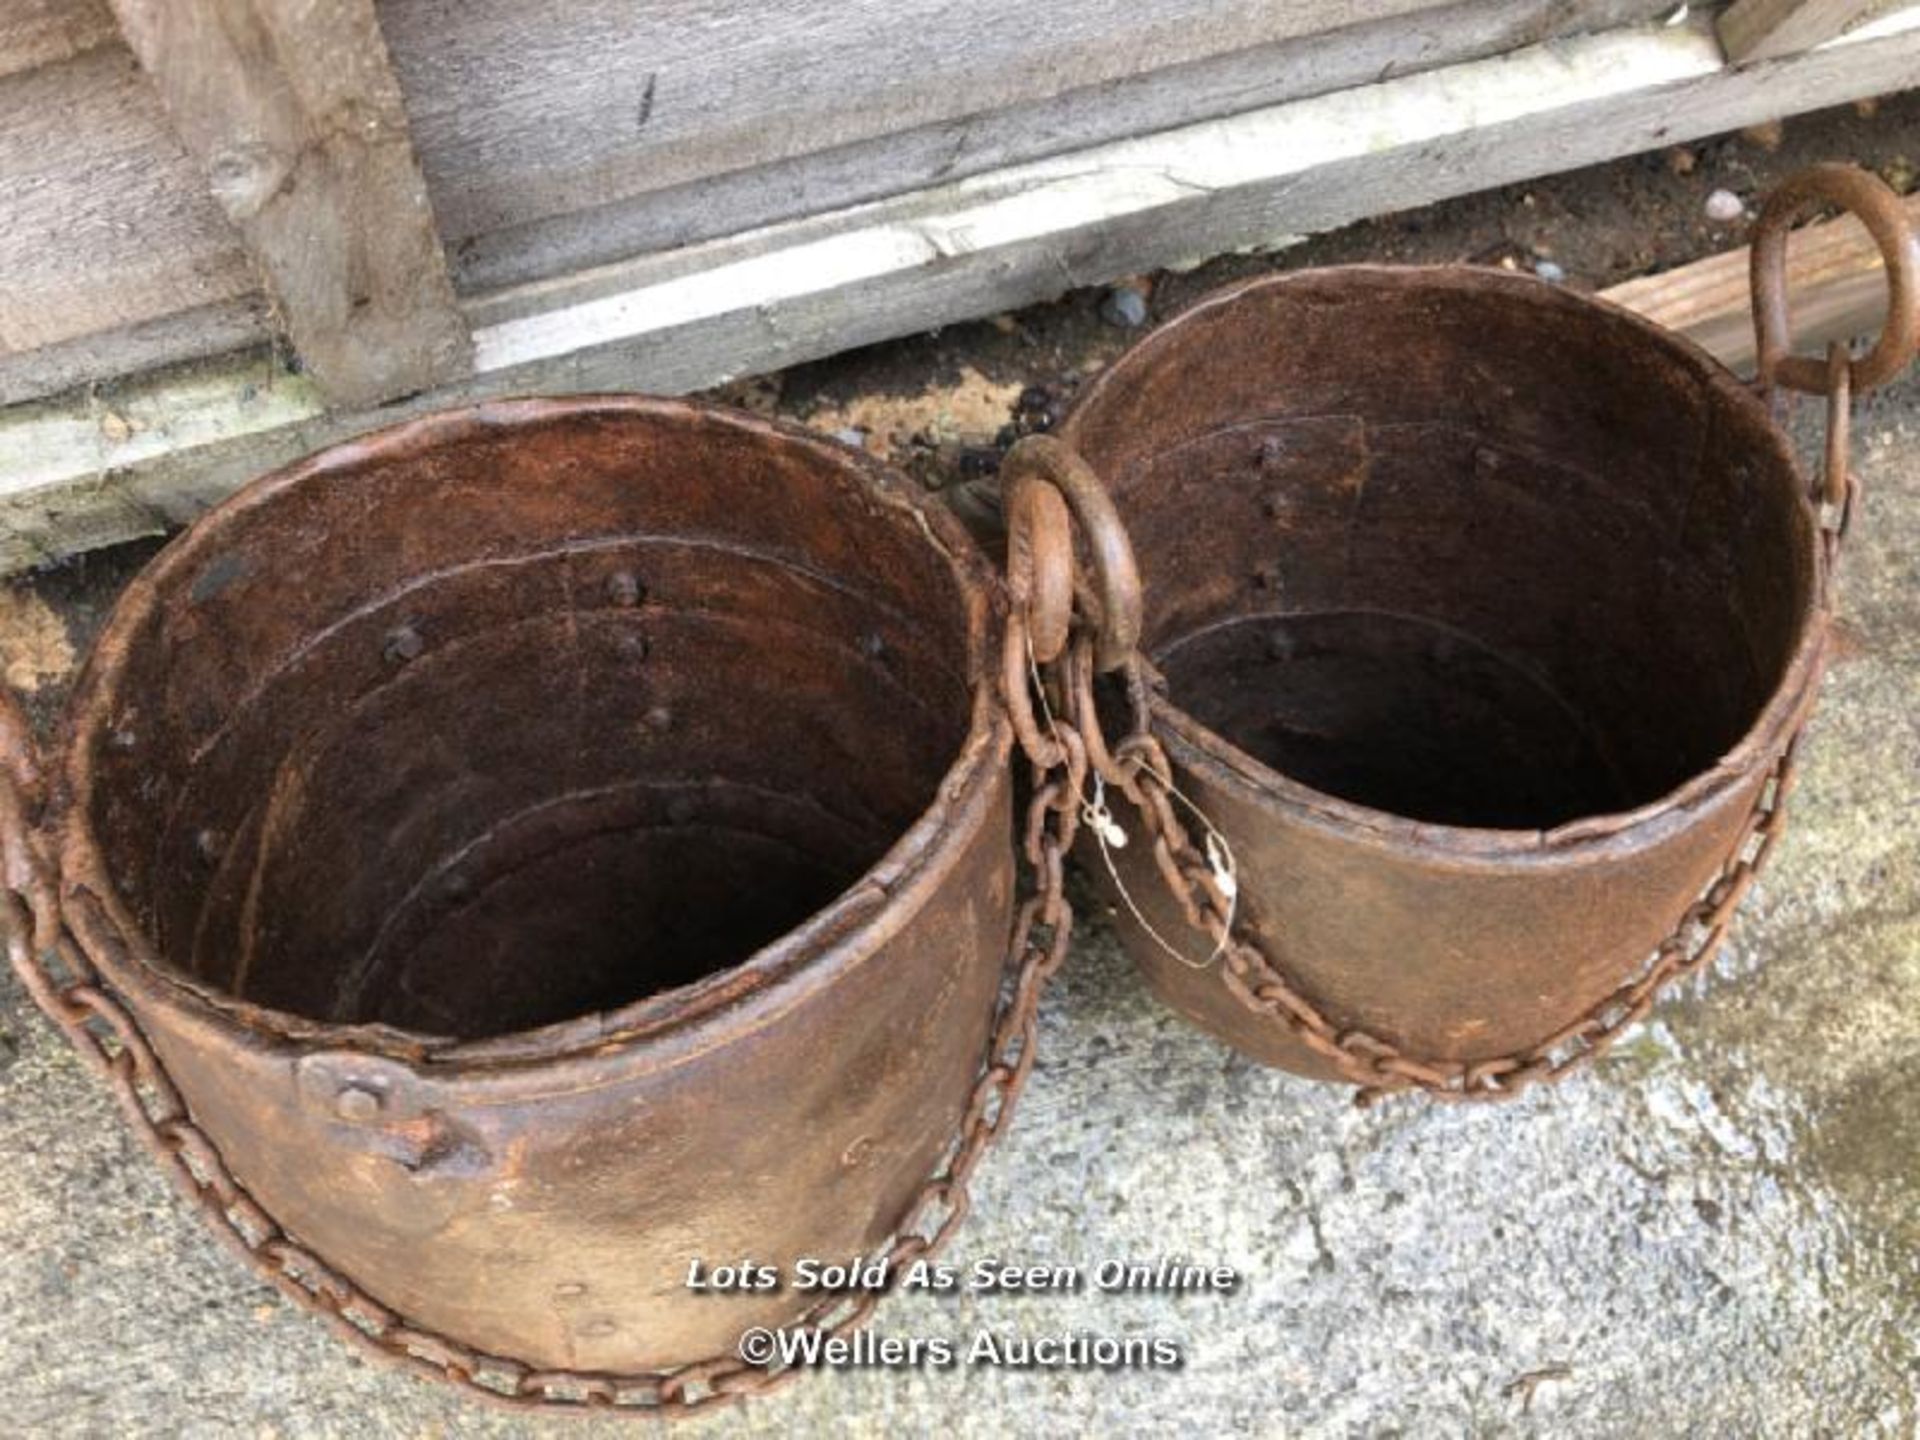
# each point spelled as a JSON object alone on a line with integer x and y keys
{"x": 1112, "y": 597}
{"x": 1878, "y": 208}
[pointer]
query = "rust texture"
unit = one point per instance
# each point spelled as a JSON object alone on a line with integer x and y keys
{"x": 545, "y": 844}
{"x": 1481, "y": 617}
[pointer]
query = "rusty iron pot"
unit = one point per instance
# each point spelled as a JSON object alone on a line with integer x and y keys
{"x": 510, "y": 857}
{"x": 1481, "y": 619}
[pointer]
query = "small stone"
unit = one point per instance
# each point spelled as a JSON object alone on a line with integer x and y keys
{"x": 853, "y": 435}
{"x": 1724, "y": 207}
{"x": 1682, "y": 161}
{"x": 1034, "y": 400}
{"x": 1550, "y": 272}
{"x": 975, "y": 462}
{"x": 116, "y": 427}
{"x": 1124, "y": 308}
{"x": 1767, "y": 135}
{"x": 1898, "y": 173}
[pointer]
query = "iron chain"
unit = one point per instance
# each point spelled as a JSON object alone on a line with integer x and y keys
{"x": 1379, "y": 1067}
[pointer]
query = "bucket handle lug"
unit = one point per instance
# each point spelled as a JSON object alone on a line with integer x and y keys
{"x": 1110, "y": 601}
{"x": 1875, "y": 204}
{"x": 1836, "y": 375}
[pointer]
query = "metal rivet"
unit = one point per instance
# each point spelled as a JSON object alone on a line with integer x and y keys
{"x": 357, "y": 1103}
{"x": 1267, "y": 577}
{"x": 624, "y": 589}
{"x": 123, "y": 740}
{"x": 209, "y": 843}
{"x": 659, "y": 718}
{"x": 872, "y": 646}
{"x": 1277, "y": 505}
{"x": 860, "y": 1152}
{"x": 633, "y": 645}
{"x": 403, "y": 644}
{"x": 1272, "y": 450}
{"x": 1280, "y": 646}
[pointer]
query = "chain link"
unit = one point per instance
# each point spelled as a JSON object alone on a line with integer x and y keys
{"x": 65, "y": 984}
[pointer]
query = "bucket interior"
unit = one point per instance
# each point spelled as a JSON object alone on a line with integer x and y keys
{"x": 1463, "y": 549}
{"x": 527, "y": 720}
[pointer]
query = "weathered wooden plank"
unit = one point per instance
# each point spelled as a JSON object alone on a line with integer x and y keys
{"x": 527, "y": 111}
{"x": 43, "y": 32}
{"x": 1835, "y": 277}
{"x": 294, "y": 112}
{"x": 666, "y": 216}
{"x": 1302, "y": 167}
{"x": 79, "y": 474}
{"x": 101, "y": 355}
{"x": 1763, "y": 29}
{"x": 151, "y": 251}
{"x": 105, "y": 222}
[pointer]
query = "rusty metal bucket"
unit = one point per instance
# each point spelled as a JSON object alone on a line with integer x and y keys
{"x": 1483, "y": 618}
{"x": 504, "y": 860}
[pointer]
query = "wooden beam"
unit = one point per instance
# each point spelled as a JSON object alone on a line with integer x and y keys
{"x": 527, "y": 123}
{"x": 106, "y": 223}
{"x": 556, "y": 137}
{"x": 1764, "y": 29}
{"x": 1835, "y": 278}
{"x": 77, "y": 473}
{"x": 293, "y": 111}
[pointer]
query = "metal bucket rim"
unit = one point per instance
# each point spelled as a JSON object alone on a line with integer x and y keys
{"x": 671, "y": 1024}
{"x": 1197, "y": 746}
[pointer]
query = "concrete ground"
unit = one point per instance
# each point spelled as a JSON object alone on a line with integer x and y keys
{"x": 1713, "y": 1233}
